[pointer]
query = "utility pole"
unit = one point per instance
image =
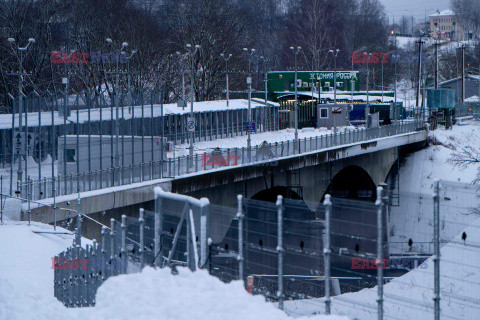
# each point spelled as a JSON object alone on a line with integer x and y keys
{"x": 296, "y": 50}
{"x": 18, "y": 52}
{"x": 335, "y": 54}
{"x": 436, "y": 63}
{"x": 249, "y": 82}
{"x": 226, "y": 72}
{"x": 419, "y": 79}
{"x": 463, "y": 47}
{"x": 192, "y": 51}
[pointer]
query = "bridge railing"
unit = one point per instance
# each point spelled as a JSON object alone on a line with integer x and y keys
{"x": 263, "y": 154}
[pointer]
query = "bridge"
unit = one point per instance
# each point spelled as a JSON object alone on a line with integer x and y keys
{"x": 347, "y": 164}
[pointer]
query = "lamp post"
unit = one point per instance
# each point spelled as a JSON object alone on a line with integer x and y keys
{"x": 115, "y": 92}
{"x": 183, "y": 83}
{"x": 249, "y": 53}
{"x": 335, "y": 54}
{"x": 18, "y": 52}
{"x": 226, "y": 72}
{"x": 296, "y": 50}
{"x": 367, "y": 108}
{"x": 192, "y": 50}
{"x": 128, "y": 73}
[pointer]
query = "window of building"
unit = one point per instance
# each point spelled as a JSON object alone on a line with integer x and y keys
{"x": 70, "y": 155}
{"x": 324, "y": 113}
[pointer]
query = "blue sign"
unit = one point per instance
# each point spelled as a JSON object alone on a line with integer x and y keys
{"x": 251, "y": 127}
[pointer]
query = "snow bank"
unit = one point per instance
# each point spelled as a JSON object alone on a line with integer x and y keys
{"x": 186, "y": 296}
{"x": 26, "y": 287}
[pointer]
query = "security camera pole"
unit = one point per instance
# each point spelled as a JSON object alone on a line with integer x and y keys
{"x": 115, "y": 92}
{"x": 192, "y": 50}
{"x": 18, "y": 52}
{"x": 226, "y": 70}
{"x": 296, "y": 50}
{"x": 249, "y": 82}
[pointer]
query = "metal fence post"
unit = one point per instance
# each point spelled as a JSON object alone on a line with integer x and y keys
{"x": 204, "y": 232}
{"x": 29, "y": 193}
{"x": 142, "y": 237}
{"x": 158, "y": 230}
{"x": 326, "y": 251}
{"x": 436, "y": 254}
{"x": 379, "y": 205}
{"x": 240, "y": 217}
{"x": 78, "y": 235}
{"x": 113, "y": 263}
{"x": 124, "y": 244}
{"x": 104, "y": 253}
{"x": 280, "y": 251}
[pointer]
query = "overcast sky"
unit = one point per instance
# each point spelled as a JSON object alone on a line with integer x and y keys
{"x": 398, "y": 8}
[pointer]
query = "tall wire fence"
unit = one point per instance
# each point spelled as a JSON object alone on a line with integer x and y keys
{"x": 303, "y": 256}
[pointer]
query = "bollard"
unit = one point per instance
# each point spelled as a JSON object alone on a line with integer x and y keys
{"x": 326, "y": 251}
{"x": 240, "y": 216}
{"x": 436, "y": 249}
{"x": 379, "y": 205}
{"x": 141, "y": 220}
{"x": 124, "y": 244}
{"x": 280, "y": 251}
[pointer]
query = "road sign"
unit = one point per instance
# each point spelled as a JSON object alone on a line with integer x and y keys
{"x": 182, "y": 103}
{"x": 337, "y": 109}
{"x": 19, "y": 142}
{"x": 191, "y": 124}
{"x": 251, "y": 127}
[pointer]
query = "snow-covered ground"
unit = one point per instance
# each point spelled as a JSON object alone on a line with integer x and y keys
{"x": 410, "y": 296}
{"x": 413, "y": 218}
{"x": 26, "y": 287}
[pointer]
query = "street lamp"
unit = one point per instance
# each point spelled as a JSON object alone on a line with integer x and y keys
{"x": 367, "y": 108}
{"x": 115, "y": 89}
{"x": 192, "y": 50}
{"x": 226, "y": 70}
{"x": 296, "y": 50}
{"x": 335, "y": 54}
{"x": 18, "y": 53}
{"x": 128, "y": 74}
{"x": 249, "y": 82}
{"x": 183, "y": 104}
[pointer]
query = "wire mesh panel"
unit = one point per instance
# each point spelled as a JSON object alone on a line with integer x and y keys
{"x": 223, "y": 256}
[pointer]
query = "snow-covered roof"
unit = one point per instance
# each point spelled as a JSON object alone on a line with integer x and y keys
{"x": 341, "y": 96}
{"x": 442, "y": 13}
{"x": 473, "y": 99}
{"x": 471, "y": 76}
{"x": 201, "y": 106}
